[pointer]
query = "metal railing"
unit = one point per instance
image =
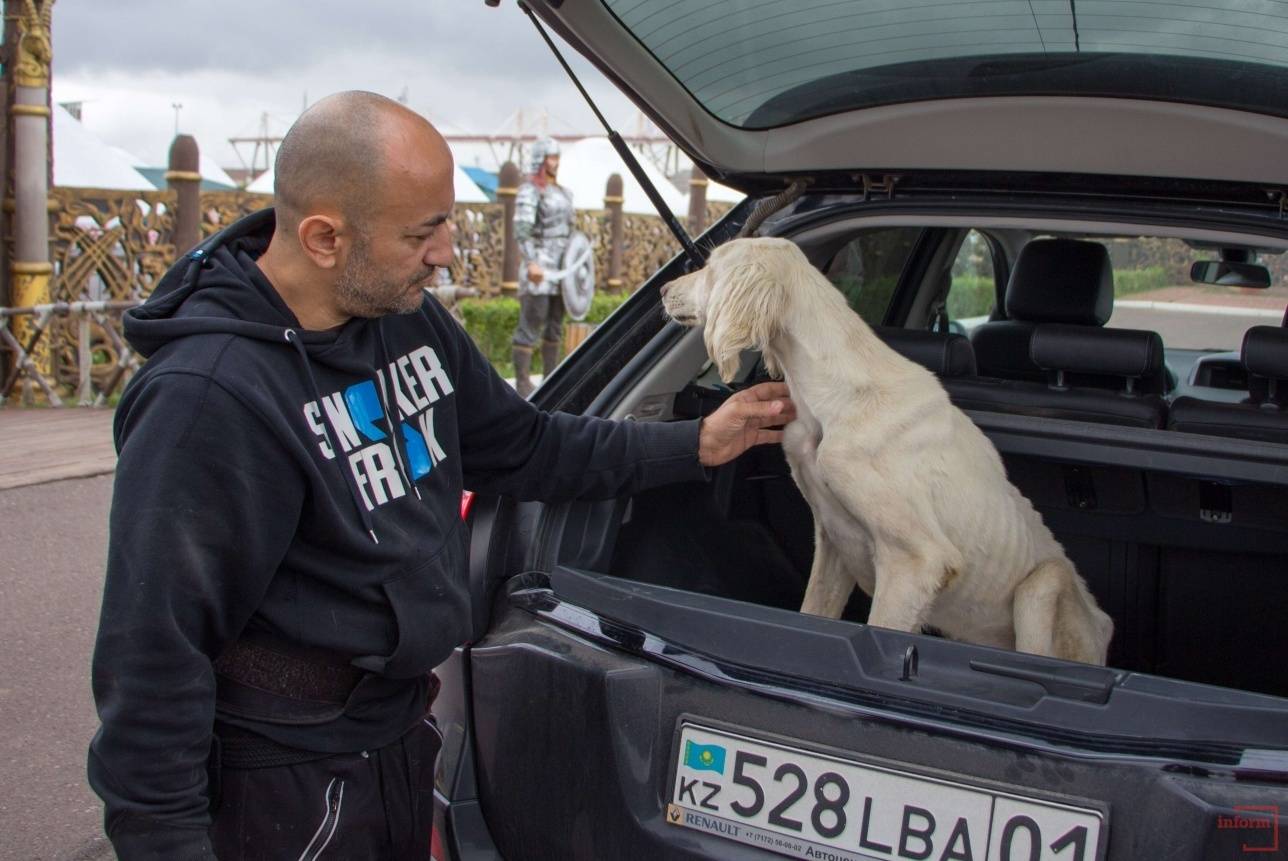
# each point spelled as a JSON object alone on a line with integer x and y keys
{"x": 96, "y": 381}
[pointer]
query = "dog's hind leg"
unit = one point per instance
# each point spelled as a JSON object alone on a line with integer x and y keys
{"x": 1036, "y": 605}
{"x": 908, "y": 582}
{"x": 829, "y": 586}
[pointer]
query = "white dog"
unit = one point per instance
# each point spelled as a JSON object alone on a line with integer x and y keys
{"x": 910, "y": 499}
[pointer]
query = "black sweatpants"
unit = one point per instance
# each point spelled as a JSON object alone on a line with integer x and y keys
{"x": 374, "y": 804}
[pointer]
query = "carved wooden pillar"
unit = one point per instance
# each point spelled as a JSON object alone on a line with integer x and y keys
{"x": 29, "y": 267}
{"x": 507, "y": 187}
{"x": 184, "y": 176}
{"x": 613, "y": 203}
{"x": 6, "y": 161}
{"x": 697, "y": 201}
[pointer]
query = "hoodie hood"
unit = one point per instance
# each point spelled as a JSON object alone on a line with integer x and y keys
{"x": 207, "y": 292}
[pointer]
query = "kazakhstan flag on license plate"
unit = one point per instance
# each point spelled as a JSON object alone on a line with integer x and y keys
{"x": 704, "y": 757}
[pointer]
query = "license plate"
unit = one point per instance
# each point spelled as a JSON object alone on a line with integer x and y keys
{"x": 809, "y": 805}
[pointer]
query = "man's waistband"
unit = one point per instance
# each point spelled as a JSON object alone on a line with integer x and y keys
{"x": 284, "y": 671}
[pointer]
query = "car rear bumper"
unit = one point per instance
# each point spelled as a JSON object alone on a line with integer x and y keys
{"x": 573, "y": 744}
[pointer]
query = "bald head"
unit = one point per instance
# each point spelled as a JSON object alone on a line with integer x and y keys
{"x": 341, "y": 153}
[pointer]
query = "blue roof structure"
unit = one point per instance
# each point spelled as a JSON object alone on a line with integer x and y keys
{"x": 484, "y": 179}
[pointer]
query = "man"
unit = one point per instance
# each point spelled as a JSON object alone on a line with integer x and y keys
{"x": 543, "y": 220}
{"x": 287, "y": 560}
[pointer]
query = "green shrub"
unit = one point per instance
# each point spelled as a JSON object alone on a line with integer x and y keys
{"x": 971, "y": 296}
{"x": 491, "y": 323}
{"x": 868, "y": 297}
{"x": 1128, "y": 281}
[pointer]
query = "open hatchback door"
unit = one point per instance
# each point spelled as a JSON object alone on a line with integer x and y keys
{"x": 641, "y": 683}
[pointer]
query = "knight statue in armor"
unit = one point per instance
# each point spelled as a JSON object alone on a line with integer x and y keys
{"x": 543, "y": 225}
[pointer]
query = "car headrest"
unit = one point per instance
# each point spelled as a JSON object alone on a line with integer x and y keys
{"x": 1131, "y": 354}
{"x": 1061, "y": 281}
{"x": 944, "y": 354}
{"x": 1265, "y": 352}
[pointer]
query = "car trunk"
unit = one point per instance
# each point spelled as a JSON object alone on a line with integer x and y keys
{"x": 1193, "y": 569}
{"x": 1182, "y": 538}
{"x": 674, "y": 612}
{"x": 618, "y": 626}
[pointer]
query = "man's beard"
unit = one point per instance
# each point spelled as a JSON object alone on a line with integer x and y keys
{"x": 360, "y": 292}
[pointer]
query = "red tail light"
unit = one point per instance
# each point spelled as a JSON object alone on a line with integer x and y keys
{"x": 436, "y": 846}
{"x": 467, "y": 502}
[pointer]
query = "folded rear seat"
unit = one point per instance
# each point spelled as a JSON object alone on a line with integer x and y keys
{"x": 1109, "y": 376}
{"x": 1264, "y": 416}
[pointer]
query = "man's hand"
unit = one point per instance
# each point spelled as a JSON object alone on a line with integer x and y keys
{"x": 741, "y": 422}
{"x": 535, "y": 273}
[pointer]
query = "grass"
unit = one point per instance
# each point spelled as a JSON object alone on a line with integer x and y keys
{"x": 1129, "y": 281}
{"x": 971, "y": 296}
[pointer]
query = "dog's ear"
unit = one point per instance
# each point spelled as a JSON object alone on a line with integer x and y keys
{"x": 744, "y": 308}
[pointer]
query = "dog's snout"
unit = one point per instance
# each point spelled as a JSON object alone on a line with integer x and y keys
{"x": 665, "y": 287}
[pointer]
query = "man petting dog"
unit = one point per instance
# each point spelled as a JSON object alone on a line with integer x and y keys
{"x": 910, "y": 500}
{"x": 287, "y": 560}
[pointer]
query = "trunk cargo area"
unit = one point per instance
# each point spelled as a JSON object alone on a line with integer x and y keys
{"x": 1193, "y": 571}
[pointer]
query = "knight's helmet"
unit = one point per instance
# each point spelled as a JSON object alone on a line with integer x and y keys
{"x": 541, "y": 148}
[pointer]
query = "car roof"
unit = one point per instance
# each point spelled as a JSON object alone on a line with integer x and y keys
{"x": 1133, "y": 87}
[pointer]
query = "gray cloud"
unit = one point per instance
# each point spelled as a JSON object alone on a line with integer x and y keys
{"x": 463, "y": 64}
{"x": 273, "y": 36}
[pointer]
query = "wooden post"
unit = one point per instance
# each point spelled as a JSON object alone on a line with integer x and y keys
{"x": 613, "y": 203}
{"x": 697, "y": 201}
{"x": 30, "y": 268}
{"x": 506, "y": 188}
{"x": 184, "y": 176}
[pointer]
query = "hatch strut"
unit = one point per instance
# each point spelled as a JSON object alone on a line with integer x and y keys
{"x": 691, "y": 250}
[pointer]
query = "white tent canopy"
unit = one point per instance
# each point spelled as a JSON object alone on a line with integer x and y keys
{"x": 206, "y": 166}
{"x": 723, "y": 193}
{"x": 584, "y": 168}
{"x": 263, "y": 183}
{"x": 83, "y": 160}
{"x": 210, "y": 170}
{"x": 466, "y": 190}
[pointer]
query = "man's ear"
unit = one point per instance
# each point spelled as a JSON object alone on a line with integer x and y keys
{"x": 320, "y": 237}
{"x": 743, "y": 313}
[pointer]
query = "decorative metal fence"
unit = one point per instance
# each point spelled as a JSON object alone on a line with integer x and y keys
{"x": 110, "y": 248}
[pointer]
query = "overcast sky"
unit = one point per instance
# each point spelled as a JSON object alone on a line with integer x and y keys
{"x": 463, "y": 64}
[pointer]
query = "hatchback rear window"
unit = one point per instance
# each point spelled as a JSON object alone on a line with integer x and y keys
{"x": 764, "y": 63}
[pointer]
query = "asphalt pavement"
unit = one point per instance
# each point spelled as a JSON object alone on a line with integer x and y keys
{"x": 53, "y": 543}
{"x": 1193, "y": 327}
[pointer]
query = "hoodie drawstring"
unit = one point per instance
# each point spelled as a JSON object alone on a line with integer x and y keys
{"x": 293, "y": 338}
{"x": 384, "y": 403}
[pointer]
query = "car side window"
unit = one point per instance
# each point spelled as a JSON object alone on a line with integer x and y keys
{"x": 972, "y": 294}
{"x": 867, "y": 269}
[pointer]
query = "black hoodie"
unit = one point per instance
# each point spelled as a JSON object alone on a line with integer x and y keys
{"x": 303, "y": 486}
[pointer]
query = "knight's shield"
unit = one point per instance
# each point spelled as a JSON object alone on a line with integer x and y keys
{"x": 578, "y": 283}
